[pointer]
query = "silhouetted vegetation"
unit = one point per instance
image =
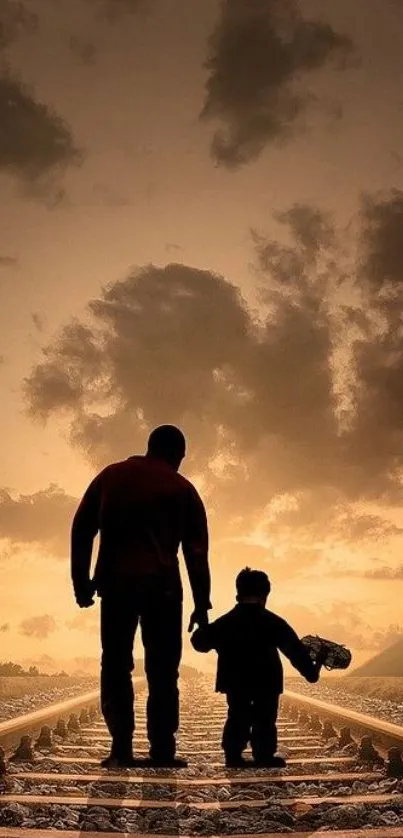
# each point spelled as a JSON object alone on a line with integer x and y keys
{"x": 187, "y": 673}
{"x": 12, "y": 670}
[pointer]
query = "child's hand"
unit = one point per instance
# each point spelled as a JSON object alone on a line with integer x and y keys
{"x": 321, "y": 657}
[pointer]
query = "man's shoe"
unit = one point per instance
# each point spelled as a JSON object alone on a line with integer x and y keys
{"x": 116, "y": 761}
{"x": 270, "y": 762}
{"x": 236, "y": 762}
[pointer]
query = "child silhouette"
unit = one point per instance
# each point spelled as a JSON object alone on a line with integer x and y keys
{"x": 248, "y": 639}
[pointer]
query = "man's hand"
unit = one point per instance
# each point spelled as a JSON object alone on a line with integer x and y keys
{"x": 85, "y": 595}
{"x": 199, "y": 617}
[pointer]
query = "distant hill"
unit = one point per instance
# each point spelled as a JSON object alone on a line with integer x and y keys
{"x": 387, "y": 663}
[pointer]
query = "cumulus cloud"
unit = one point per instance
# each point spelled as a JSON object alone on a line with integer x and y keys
{"x": 294, "y": 419}
{"x": 42, "y": 518}
{"x": 260, "y": 55}
{"x": 35, "y": 142}
{"x": 39, "y": 627}
{"x": 382, "y": 244}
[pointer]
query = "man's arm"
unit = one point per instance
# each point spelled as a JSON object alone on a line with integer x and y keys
{"x": 293, "y": 648}
{"x": 83, "y": 531}
{"x": 195, "y": 545}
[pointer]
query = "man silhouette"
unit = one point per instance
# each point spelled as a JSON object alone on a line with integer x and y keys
{"x": 144, "y": 510}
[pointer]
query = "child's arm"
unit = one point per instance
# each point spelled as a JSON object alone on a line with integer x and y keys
{"x": 297, "y": 653}
{"x": 204, "y": 638}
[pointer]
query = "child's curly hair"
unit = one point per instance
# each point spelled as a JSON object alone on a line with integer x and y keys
{"x": 252, "y": 583}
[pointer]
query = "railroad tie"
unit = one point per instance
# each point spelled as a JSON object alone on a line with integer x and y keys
{"x": 67, "y": 786}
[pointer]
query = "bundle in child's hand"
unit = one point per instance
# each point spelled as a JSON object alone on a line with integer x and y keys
{"x": 334, "y": 655}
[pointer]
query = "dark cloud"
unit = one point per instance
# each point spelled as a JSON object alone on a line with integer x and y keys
{"x": 4, "y": 628}
{"x": 41, "y": 519}
{"x": 15, "y": 19}
{"x": 259, "y": 56}
{"x": 264, "y": 403}
{"x": 39, "y": 627}
{"x": 377, "y": 430}
{"x": 35, "y": 142}
{"x": 356, "y": 528}
{"x": 346, "y": 526}
{"x": 256, "y": 396}
{"x": 382, "y": 242}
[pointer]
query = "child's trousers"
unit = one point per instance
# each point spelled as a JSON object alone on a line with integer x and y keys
{"x": 252, "y": 717}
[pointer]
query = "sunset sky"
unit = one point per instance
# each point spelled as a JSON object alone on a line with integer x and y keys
{"x": 202, "y": 223}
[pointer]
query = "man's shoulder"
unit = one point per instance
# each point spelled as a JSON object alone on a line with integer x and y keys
{"x": 120, "y": 466}
{"x": 187, "y": 486}
{"x": 115, "y": 472}
{"x": 148, "y": 468}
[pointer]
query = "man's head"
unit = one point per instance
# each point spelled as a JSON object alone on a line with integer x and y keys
{"x": 167, "y": 443}
{"x": 252, "y": 586}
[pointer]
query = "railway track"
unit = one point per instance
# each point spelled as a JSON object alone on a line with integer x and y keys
{"x": 335, "y": 778}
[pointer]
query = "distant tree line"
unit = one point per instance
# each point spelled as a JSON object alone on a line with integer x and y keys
{"x": 187, "y": 673}
{"x": 10, "y": 669}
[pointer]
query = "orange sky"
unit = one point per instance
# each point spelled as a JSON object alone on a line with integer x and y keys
{"x": 148, "y": 191}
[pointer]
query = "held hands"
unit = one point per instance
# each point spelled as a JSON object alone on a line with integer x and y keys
{"x": 199, "y": 617}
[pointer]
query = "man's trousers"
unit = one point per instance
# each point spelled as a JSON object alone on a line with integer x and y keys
{"x": 160, "y": 619}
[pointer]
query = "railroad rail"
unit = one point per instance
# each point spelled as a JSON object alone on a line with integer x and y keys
{"x": 344, "y": 775}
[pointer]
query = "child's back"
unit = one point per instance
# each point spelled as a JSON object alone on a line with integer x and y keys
{"x": 248, "y": 640}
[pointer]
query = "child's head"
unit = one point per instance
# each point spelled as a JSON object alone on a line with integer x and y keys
{"x": 252, "y": 586}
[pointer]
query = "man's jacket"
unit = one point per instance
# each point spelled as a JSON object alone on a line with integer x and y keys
{"x": 143, "y": 510}
{"x": 248, "y": 640}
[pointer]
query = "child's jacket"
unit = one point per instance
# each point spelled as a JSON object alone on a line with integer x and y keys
{"x": 247, "y": 640}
